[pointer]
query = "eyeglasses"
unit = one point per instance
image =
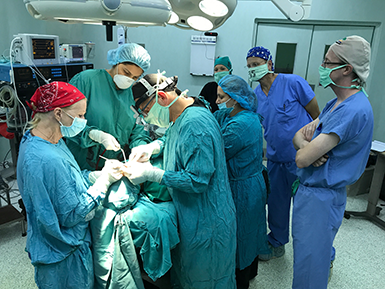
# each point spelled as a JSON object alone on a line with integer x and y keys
{"x": 253, "y": 64}
{"x": 324, "y": 63}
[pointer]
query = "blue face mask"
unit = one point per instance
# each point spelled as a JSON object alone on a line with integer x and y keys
{"x": 76, "y": 127}
{"x": 223, "y": 104}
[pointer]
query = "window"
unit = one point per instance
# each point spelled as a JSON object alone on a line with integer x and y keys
{"x": 285, "y": 56}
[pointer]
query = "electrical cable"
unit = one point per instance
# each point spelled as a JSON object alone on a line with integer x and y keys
{"x": 6, "y": 155}
{"x": 13, "y": 82}
{"x": 7, "y": 97}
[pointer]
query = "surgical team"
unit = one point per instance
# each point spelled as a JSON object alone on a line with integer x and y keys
{"x": 190, "y": 201}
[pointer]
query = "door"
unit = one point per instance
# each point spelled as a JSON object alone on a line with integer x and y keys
{"x": 271, "y": 36}
{"x": 311, "y": 42}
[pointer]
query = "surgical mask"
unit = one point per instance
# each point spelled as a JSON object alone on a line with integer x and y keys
{"x": 256, "y": 73}
{"x": 122, "y": 81}
{"x": 223, "y": 104}
{"x": 325, "y": 79}
{"x": 159, "y": 115}
{"x": 78, "y": 124}
{"x": 219, "y": 75}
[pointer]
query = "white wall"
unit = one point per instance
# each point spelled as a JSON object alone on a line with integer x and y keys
{"x": 169, "y": 47}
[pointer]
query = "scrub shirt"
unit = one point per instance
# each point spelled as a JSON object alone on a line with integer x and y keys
{"x": 283, "y": 114}
{"x": 196, "y": 177}
{"x": 319, "y": 203}
{"x": 108, "y": 109}
{"x": 54, "y": 192}
{"x": 242, "y": 135}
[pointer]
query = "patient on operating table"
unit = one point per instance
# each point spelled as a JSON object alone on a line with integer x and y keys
{"x": 133, "y": 217}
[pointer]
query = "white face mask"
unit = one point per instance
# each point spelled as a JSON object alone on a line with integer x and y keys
{"x": 122, "y": 81}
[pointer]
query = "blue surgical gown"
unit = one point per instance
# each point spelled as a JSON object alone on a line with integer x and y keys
{"x": 242, "y": 135}
{"x": 197, "y": 180}
{"x": 319, "y": 203}
{"x": 59, "y": 205}
{"x": 108, "y": 109}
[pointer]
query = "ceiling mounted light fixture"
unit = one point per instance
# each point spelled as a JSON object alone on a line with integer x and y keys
{"x": 131, "y": 13}
{"x": 202, "y": 15}
{"x": 174, "y": 18}
{"x": 200, "y": 23}
{"x": 213, "y": 8}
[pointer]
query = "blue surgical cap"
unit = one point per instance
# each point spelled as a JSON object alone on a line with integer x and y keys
{"x": 261, "y": 52}
{"x": 239, "y": 90}
{"x": 225, "y": 61}
{"x": 130, "y": 52}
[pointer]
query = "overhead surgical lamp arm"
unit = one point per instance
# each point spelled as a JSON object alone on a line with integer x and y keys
{"x": 292, "y": 11}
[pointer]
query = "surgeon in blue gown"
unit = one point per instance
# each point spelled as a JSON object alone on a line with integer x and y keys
{"x": 57, "y": 195}
{"x": 196, "y": 176}
{"x": 242, "y": 134}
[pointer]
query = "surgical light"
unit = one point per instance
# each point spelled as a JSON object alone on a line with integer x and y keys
{"x": 174, "y": 18}
{"x": 202, "y": 15}
{"x": 130, "y": 13}
{"x": 213, "y": 8}
{"x": 200, "y": 23}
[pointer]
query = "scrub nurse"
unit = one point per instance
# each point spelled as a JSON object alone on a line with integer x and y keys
{"x": 222, "y": 67}
{"x": 242, "y": 134}
{"x": 109, "y": 97}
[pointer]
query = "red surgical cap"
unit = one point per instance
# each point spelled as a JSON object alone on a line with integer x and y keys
{"x": 56, "y": 94}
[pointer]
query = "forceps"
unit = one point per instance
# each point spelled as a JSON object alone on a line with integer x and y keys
{"x": 124, "y": 156}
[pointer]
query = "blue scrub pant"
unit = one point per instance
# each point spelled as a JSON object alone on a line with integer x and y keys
{"x": 317, "y": 216}
{"x": 74, "y": 272}
{"x": 282, "y": 176}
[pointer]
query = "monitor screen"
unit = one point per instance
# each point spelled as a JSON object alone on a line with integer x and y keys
{"x": 77, "y": 51}
{"x": 43, "y": 48}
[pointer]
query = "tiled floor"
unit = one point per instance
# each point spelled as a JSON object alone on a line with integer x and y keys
{"x": 360, "y": 261}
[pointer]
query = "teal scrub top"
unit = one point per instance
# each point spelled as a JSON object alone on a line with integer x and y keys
{"x": 56, "y": 197}
{"x": 108, "y": 109}
{"x": 196, "y": 177}
{"x": 242, "y": 135}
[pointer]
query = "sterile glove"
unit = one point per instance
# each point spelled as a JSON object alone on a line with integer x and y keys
{"x": 107, "y": 140}
{"x": 111, "y": 172}
{"x": 138, "y": 173}
{"x": 143, "y": 153}
{"x": 93, "y": 176}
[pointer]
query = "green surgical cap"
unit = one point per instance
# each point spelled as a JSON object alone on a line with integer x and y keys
{"x": 225, "y": 60}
